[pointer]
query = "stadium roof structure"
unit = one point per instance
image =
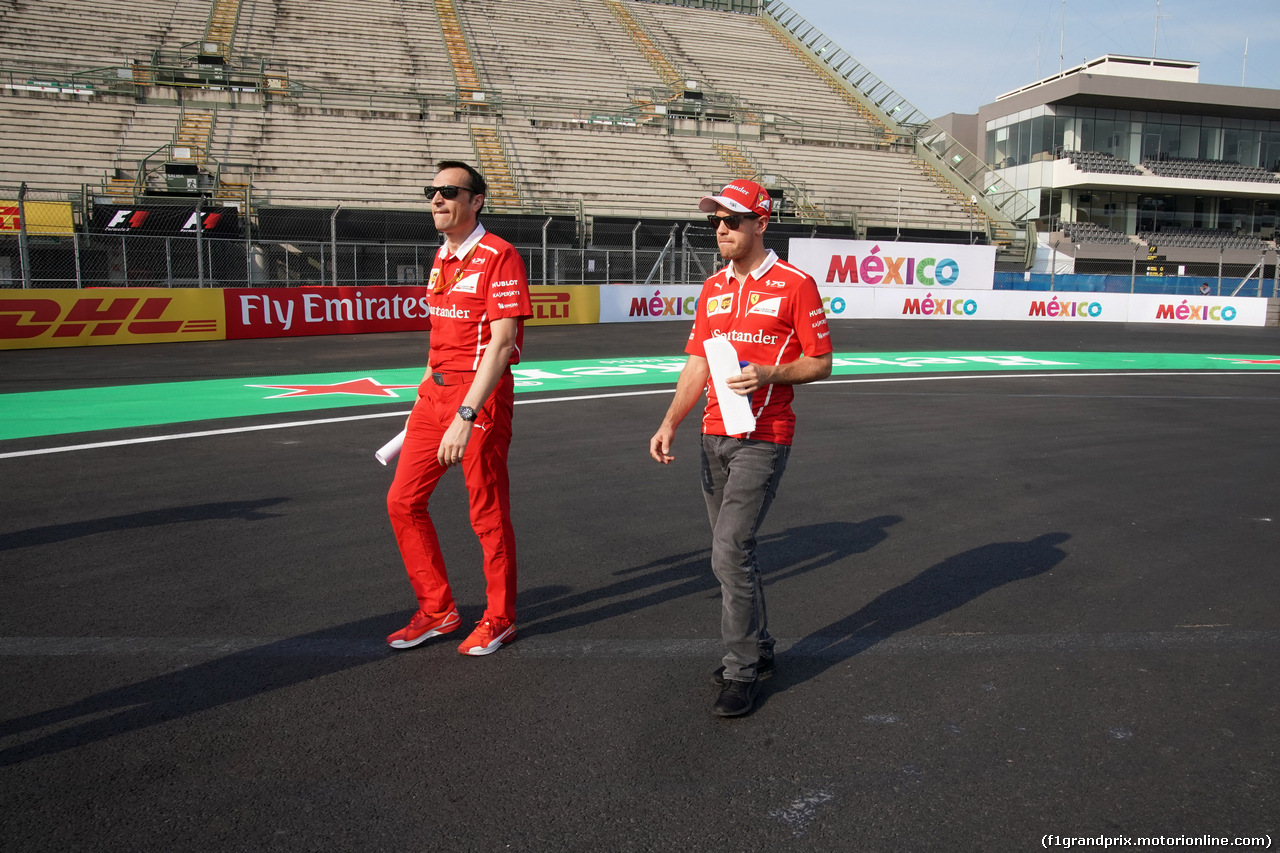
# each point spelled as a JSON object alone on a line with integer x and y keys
{"x": 1139, "y": 83}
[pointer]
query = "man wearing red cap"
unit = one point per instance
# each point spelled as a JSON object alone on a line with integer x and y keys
{"x": 772, "y": 314}
{"x": 479, "y": 298}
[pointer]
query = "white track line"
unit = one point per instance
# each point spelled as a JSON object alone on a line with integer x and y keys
{"x": 837, "y": 647}
{"x": 98, "y": 445}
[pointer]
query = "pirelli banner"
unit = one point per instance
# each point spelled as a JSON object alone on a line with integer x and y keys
{"x": 44, "y": 218}
{"x": 869, "y": 263}
{"x": 564, "y": 306}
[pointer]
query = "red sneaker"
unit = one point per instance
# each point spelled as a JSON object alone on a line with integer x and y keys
{"x": 424, "y": 626}
{"x": 489, "y": 636}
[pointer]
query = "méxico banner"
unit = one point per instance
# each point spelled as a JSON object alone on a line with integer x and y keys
{"x": 881, "y": 303}
{"x": 638, "y": 303}
{"x": 874, "y": 263}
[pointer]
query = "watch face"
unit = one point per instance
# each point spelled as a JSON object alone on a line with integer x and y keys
{"x": 466, "y": 413}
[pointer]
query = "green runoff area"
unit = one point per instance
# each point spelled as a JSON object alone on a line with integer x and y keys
{"x": 60, "y": 412}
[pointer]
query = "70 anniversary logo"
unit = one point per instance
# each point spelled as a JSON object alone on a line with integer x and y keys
{"x": 45, "y": 413}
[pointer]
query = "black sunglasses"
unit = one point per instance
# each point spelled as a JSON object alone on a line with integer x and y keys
{"x": 448, "y": 191}
{"x": 733, "y": 220}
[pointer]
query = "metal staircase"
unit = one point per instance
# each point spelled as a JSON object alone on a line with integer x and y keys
{"x": 192, "y": 137}
{"x": 741, "y": 166}
{"x": 471, "y": 94}
{"x": 653, "y": 54}
{"x": 221, "y": 28}
{"x": 496, "y": 168}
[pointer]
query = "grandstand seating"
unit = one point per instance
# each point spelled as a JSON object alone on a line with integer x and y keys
{"x": 371, "y": 107}
{"x": 1200, "y": 238}
{"x": 60, "y": 34}
{"x": 61, "y": 142}
{"x": 1099, "y": 161}
{"x": 1089, "y": 232}
{"x": 378, "y": 46}
{"x": 1214, "y": 170}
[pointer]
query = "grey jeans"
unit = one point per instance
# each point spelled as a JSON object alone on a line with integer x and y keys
{"x": 739, "y": 479}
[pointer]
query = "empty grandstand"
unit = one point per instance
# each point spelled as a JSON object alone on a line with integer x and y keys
{"x": 308, "y": 119}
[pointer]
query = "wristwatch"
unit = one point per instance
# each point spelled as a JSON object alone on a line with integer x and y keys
{"x": 467, "y": 413}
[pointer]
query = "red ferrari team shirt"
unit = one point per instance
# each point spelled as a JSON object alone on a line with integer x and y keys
{"x": 483, "y": 281}
{"x": 773, "y": 316}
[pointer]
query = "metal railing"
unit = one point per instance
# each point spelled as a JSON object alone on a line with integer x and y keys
{"x": 1004, "y": 201}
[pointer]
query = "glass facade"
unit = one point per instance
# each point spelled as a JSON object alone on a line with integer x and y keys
{"x": 1132, "y": 135}
{"x": 1027, "y": 142}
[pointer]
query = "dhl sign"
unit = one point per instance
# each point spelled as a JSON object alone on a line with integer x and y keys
{"x": 44, "y": 218}
{"x": 564, "y": 306}
{"x": 31, "y": 319}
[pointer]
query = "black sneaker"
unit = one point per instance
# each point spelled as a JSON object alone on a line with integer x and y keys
{"x": 764, "y": 669}
{"x": 736, "y": 698}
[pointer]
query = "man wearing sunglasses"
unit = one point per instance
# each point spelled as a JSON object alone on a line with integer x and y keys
{"x": 772, "y": 314}
{"x": 479, "y": 298}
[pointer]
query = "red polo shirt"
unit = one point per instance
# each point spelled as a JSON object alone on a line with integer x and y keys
{"x": 483, "y": 281}
{"x": 773, "y": 316}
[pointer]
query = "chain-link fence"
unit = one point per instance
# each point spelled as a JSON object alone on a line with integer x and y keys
{"x": 98, "y": 260}
{"x": 60, "y": 240}
{"x": 208, "y": 247}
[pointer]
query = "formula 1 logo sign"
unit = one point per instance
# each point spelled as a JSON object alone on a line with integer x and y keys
{"x": 165, "y": 220}
{"x": 106, "y": 317}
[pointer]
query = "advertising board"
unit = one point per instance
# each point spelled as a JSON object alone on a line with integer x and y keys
{"x": 631, "y": 303}
{"x": 298, "y": 311}
{"x": 564, "y": 306}
{"x": 31, "y": 319}
{"x": 871, "y": 263}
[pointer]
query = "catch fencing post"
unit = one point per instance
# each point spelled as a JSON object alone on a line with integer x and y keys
{"x": 199, "y": 243}
{"x": 333, "y": 242}
{"x": 24, "y": 251}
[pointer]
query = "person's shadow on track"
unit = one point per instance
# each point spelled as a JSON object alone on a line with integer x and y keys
{"x": 937, "y": 590}
{"x": 53, "y": 533}
{"x": 209, "y": 684}
{"x": 786, "y": 554}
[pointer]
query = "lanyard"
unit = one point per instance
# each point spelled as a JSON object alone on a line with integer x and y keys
{"x": 457, "y": 276}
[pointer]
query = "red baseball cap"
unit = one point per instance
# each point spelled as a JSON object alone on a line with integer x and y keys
{"x": 740, "y": 197}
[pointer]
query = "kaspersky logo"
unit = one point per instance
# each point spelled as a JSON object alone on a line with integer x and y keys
{"x": 124, "y": 221}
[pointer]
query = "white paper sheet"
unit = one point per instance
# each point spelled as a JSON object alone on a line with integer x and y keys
{"x": 735, "y": 409}
{"x": 390, "y": 450}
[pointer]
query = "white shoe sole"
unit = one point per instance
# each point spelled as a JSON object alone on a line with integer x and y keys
{"x": 435, "y": 632}
{"x": 498, "y": 642}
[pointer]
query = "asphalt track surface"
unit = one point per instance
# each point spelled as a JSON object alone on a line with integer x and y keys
{"x": 1009, "y": 606}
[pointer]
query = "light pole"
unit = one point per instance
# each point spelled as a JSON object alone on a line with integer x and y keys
{"x": 898, "y": 235}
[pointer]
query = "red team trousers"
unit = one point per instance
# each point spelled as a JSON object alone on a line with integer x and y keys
{"x": 484, "y": 466}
